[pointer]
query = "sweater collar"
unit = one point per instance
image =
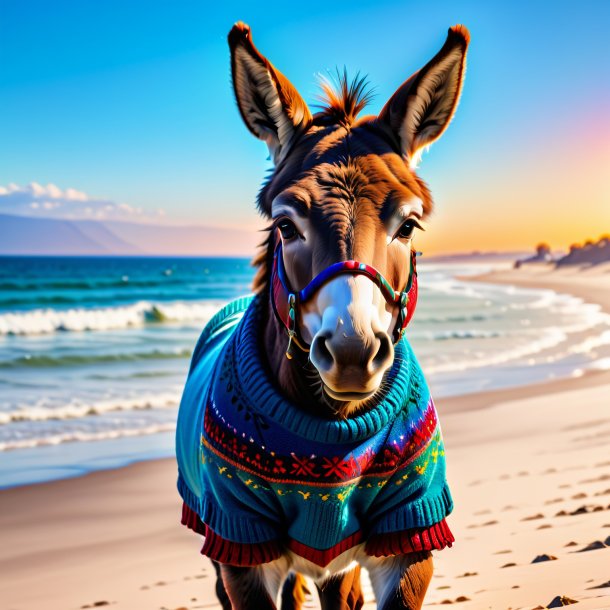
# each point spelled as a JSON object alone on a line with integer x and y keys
{"x": 266, "y": 400}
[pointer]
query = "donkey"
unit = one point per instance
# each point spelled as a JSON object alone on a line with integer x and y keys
{"x": 307, "y": 441}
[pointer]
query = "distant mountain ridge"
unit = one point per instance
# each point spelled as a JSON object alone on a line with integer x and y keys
{"x": 25, "y": 235}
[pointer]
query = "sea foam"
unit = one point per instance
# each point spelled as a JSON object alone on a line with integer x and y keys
{"x": 77, "y": 410}
{"x": 46, "y": 321}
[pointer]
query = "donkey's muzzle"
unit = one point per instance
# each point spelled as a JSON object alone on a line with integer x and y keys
{"x": 351, "y": 365}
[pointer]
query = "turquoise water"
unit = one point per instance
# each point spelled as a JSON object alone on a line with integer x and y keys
{"x": 94, "y": 351}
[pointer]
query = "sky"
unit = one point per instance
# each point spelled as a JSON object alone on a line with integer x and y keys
{"x": 126, "y": 108}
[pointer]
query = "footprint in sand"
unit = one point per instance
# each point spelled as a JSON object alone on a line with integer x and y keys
{"x": 565, "y": 486}
{"x": 593, "y": 546}
{"x": 482, "y": 512}
{"x": 509, "y": 507}
{"x": 603, "y": 493}
{"x": 97, "y": 604}
{"x": 533, "y": 517}
{"x": 544, "y": 526}
{"x": 581, "y": 510}
{"x": 487, "y": 523}
{"x": 550, "y": 471}
{"x": 503, "y": 552}
{"x": 579, "y": 496}
{"x": 554, "y": 501}
{"x": 461, "y": 598}
{"x": 544, "y": 557}
{"x": 572, "y": 543}
{"x": 465, "y": 574}
{"x": 604, "y": 585}
{"x": 509, "y": 565}
{"x": 603, "y": 477}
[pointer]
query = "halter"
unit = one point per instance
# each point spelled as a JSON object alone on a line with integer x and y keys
{"x": 285, "y": 300}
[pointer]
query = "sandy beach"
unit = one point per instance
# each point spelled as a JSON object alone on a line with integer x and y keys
{"x": 529, "y": 469}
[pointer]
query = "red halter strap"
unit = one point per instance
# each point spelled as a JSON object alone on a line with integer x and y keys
{"x": 285, "y": 300}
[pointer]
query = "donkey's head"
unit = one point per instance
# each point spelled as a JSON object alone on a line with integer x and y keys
{"x": 343, "y": 188}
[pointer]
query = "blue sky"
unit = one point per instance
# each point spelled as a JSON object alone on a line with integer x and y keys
{"x": 130, "y": 102}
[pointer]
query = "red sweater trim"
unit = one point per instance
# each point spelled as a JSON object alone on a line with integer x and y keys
{"x": 225, "y": 551}
{"x": 435, "y": 537}
{"x": 324, "y": 557}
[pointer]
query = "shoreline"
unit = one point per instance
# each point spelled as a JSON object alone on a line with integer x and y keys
{"x": 114, "y": 535}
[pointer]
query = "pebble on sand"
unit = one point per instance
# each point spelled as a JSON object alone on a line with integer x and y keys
{"x": 544, "y": 557}
{"x": 561, "y": 600}
{"x": 593, "y": 546}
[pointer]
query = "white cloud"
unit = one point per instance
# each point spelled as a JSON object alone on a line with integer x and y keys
{"x": 51, "y": 201}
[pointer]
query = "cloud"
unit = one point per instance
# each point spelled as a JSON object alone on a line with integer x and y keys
{"x": 50, "y": 201}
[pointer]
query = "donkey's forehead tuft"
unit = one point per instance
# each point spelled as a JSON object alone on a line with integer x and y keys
{"x": 342, "y": 100}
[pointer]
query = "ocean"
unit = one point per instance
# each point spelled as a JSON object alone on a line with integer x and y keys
{"x": 94, "y": 351}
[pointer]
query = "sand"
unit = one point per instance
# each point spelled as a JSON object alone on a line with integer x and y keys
{"x": 529, "y": 469}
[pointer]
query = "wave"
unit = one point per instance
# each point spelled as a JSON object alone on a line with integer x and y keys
{"x": 123, "y": 282}
{"x": 76, "y": 359}
{"x": 69, "y": 437}
{"x": 46, "y": 321}
{"x": 477, "y": 317}
{"x": 465, "y": 334}
{"x": 551, "y": 339}
{"x": 166, "y": 400}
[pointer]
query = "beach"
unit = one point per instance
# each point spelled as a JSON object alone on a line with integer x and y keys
{"x": 528, "y": 466}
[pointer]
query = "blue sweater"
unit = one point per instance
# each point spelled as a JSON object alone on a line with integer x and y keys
{"x": 258, "y": 475}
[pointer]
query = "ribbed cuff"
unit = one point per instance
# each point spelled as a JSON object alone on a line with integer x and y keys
{"x": 436, "y": 537}
{"x": 226, "y": 551}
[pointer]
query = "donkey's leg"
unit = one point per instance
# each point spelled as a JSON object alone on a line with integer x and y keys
{"x": 221, "y": 592}
{"x": 294, "y": 592}
{"x": 401, "y": 582}
{"x": 254, "y": 588}
{"x": 342, "y": 592}
{"x": 246, "y": 588}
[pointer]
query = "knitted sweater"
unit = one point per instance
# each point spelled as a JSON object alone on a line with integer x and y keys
{"x": 259, "y": 475}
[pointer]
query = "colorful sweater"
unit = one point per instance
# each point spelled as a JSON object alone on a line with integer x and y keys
{"x": 258, "y": 475}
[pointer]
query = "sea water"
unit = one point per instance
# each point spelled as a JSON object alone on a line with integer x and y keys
{"x": 94, "y": 351}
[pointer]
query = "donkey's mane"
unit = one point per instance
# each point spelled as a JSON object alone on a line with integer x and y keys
{"x": 342, "y": 100}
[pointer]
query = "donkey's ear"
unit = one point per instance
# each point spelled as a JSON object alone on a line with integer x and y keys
{"x": 270, "y": 106}
{"x": 423, "y": 106}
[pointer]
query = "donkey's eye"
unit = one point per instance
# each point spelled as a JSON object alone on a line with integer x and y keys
{"x": 407, "y": 228}
{"x": 287, "y": 229}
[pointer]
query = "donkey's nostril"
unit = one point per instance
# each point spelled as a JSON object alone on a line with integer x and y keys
{"x": 320, "y": 355}
{"x": 385, "y": 353}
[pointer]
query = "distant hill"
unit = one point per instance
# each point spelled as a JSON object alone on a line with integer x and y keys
{"x": 49, "y": 236}
{"x": 590, "y": 253}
